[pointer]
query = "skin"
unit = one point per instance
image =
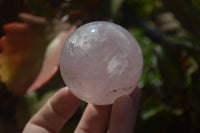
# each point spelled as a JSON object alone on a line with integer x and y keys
{"x": 117, "y": 118}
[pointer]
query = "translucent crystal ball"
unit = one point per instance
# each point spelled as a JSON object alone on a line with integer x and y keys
{"x": 100, "y": 62}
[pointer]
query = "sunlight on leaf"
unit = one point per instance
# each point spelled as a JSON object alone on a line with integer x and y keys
{"x": 20, "y": 48}
{"x": 23, "y": 52}
{"x": 51, "y": 60}
{"x": 151, "y": 74}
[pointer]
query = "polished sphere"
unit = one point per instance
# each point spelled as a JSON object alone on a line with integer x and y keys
{"x": 100, "y": 62}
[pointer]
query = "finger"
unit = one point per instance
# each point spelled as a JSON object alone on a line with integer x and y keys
{"x": 94, "y": 120}
{"x": 124, "y": 112}
{"x": 54, "y": 113}
{"x": 136, "y": 95}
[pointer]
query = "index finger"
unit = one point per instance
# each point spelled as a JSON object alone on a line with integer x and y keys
{"x": 54, "y": 113}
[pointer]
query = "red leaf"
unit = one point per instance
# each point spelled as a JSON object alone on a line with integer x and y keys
{"x": 51, "y": 60}
{"x": 23, "y": 61}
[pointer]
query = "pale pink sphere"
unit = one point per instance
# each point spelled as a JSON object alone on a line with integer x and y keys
{"x": 100, "y": 62}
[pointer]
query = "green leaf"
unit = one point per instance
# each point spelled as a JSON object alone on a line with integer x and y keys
{"x": 151, "y": 74}
{"x": 151, "y": 107}
{"x": 170, "y": 68}
{"x": 29, "y": 105}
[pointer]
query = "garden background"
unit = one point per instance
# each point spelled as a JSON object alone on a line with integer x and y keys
{"x": 168, "y": 32}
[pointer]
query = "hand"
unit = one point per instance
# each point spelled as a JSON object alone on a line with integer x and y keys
{"x": 117, "y": 118}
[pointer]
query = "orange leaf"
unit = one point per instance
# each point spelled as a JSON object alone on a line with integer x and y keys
{"x": 23, "y": 53}
{"x": 51, "y": 60}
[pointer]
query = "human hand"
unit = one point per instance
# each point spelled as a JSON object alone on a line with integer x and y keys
{"x": 117, "y": 118}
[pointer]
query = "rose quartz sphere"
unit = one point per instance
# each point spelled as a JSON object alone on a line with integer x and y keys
{"x": 100, "y": 62}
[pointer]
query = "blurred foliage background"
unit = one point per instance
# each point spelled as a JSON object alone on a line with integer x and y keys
{"x": 168, "y": 32}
